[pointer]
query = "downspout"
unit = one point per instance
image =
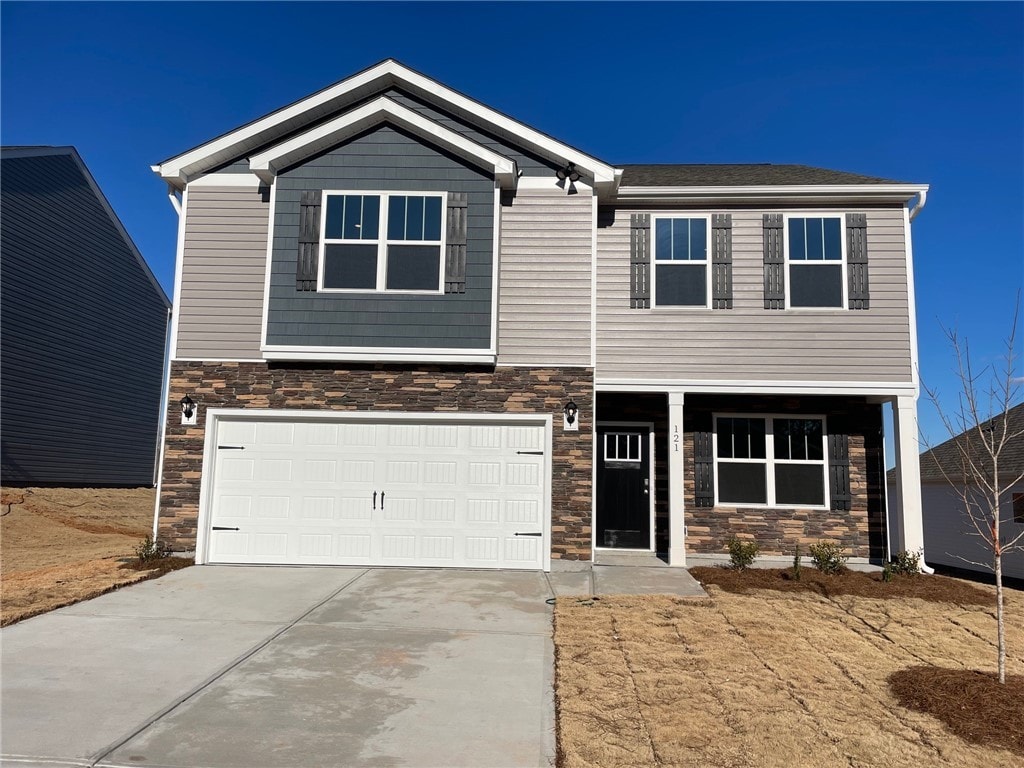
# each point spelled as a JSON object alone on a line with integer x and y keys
{"x": 922, "y": 198}
{"x": 164, "y": 408}
{"x": 172, "y": 195}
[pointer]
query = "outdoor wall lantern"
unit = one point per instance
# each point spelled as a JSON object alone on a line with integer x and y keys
{"x": 188, "y": 410}
{"x": 571, "y": 412}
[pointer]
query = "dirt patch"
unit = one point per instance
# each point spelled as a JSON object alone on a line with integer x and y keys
{"x": 62, "y": 545}
{"x": 972, "y": 704}
{"x": 939, "y": 589}
{"x": 766, "y": 678}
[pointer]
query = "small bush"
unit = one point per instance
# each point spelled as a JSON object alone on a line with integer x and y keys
{"x": 828, "y": 557}
{"x": 151, "y": 549}
{"x": 906, "y": 563}
{"x": 742, "y": 553}
{"x": 796, "y": 563}
{"x": 887, "y": 573}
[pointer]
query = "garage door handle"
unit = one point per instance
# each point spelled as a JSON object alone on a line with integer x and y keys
{"x": 527, "y": 534}
{"x": 529, "y": 453}
{"x": 230, "y": 447}
{"x": 382, "y": 499}
{"x": 223, "y": 528}
{"x": 374, "y": 499}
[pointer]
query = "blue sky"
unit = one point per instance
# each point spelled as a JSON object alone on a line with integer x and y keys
{"x": 920, "y": 92}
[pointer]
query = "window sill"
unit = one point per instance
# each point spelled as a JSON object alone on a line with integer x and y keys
{"x": 379, "y": 354}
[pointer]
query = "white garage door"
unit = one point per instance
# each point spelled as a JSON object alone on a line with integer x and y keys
{"x": 378, "y": 493}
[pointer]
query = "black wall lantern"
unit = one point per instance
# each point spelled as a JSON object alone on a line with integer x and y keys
{"x": 188, "y": 410}
{"x": 571, "y": 413}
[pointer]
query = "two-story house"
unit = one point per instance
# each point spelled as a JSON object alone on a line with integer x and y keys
{"x": 411, "y": 330}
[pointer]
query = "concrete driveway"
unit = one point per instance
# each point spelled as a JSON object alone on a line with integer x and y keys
{"x": 248, "y": 667}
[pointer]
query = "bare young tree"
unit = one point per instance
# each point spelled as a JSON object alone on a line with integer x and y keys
{"x": 982, "y": 432}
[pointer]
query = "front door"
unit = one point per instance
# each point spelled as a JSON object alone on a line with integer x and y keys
{"x": 624, "y": 486}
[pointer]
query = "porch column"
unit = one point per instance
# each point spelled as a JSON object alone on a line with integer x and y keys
{"x": 905, "y": 522}
{"x": 676, "y": 518}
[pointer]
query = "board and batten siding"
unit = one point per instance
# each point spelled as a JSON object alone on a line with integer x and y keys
{"x": 544, "y": 278}
{"x": 220, "y": 312}
{"x": 749, "y": 342}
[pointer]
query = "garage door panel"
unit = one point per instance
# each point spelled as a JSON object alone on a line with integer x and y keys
{"x": 389, "y": 494}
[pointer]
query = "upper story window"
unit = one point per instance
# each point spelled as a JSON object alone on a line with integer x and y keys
{"x": 815, "y": 261}
{"x": 681, "y": 262}
{"x": 382, "y": 241}
{"x": 770, "y": 461}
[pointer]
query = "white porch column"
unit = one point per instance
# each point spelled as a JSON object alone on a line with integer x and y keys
{"x": 676, "y": 517}
{"x": 906, "y": 524}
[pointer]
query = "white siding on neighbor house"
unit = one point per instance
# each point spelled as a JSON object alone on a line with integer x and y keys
{"x": 950, "y": 538}
{"x": 220, "y": 312}
{"x": 750, "y": 342}
{"x": 544, "y": 280}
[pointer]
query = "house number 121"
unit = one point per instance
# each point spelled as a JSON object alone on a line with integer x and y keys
{"x": 675, "y": 437}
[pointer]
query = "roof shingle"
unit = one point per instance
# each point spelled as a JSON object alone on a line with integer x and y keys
{"x": 947, "y": 456}
{"x": 735, "y": 175}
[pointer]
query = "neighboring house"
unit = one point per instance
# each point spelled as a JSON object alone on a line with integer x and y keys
{"x": 950, "y": 539}
{"x": 84, "y": 330}
{"x": 420, "y": 332}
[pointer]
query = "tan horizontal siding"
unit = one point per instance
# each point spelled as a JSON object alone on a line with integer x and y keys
{"x": 748, "y": 342}
{"x": 220, "y": 313}
{"x": 544, "y": 294}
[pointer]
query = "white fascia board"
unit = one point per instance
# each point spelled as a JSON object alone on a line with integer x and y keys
{"x": 178, "y": 169}
{"x": 379, "y": 354}
{"x": 266, "y": 164}
{"x": 840, "y": 193}
{"x": 859, "y": 388}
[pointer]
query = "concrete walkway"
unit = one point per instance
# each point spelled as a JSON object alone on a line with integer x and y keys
{"x": 245, "y": 667}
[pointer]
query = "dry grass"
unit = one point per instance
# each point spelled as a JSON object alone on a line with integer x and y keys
{"x": 766, "y": 678}
{"x": 62, "y": 545}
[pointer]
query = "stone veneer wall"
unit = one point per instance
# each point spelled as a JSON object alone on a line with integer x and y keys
{"x": 425, "y": 389}
{"x": 777, "y": 531}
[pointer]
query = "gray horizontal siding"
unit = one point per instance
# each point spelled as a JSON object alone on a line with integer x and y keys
{"x": 545, "y": 281}
{"x": 383, "y": 159}
{"x": 220, "y": 313}
{"x": 749, "y": 342}
{"x": 84, "y": 329}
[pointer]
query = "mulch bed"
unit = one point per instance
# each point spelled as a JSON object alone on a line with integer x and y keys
{"x": 936, "y": 589}
{"x": 158, "y": 566}
{"x": 971, "y": 704}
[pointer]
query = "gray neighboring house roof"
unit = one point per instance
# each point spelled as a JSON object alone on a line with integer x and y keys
{"x": 83, "y": 323}
{"x": 947, "y": 456}
{"x": 739, "y": 175}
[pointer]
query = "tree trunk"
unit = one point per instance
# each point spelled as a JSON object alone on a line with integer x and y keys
{"x": 1000, "y": 630}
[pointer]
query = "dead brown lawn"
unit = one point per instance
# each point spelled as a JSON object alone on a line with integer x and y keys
{"x": 769, "y": 678}
{"x": 62, "y": 545}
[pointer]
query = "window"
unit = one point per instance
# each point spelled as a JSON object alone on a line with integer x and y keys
{"x": 814, "y": 255}
{"x": 681, "y": 262}
{"x": 382, "y": 242}
{"x": 623, "y": 446}
{"x": 770, "y": 460}
{"x": 1018, "y": 507}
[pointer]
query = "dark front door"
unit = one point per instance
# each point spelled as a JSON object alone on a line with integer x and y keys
{"x": 623, "y": 487}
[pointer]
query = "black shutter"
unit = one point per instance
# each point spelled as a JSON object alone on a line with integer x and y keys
{"x": 774, "y": 263}
{"x": 839, "y": 471}
{"x": 455, "y": 243}
{"x": 703, "y": 463}
{"x": 309, "y": 241}
{"x": 640, "y": 261}
{"x": 857, "y": 259}
{"x": 721, "y": 261}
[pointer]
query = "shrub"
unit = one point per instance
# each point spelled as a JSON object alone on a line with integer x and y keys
{"x": 151, "y": 549}
{"x": 796, "y": 563}
{"x": 906, "y": 563}
{"x": 887, "y": 572}
{"x": 828, "y": 557}
{"x": 742, "y": 553}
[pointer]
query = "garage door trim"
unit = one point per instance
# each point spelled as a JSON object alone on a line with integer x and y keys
{"x": 216, "y": 416}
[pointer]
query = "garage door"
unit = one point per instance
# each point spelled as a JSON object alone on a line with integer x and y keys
{"x": 401, "y": 492}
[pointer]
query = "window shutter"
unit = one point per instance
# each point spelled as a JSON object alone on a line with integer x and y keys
{"x": 839, "y": 471}
{"x": 721, "y": 261}
{"x": 703, "y": 465}
{"x": 774, "y": 263}
{"x": 857, "y": 259}
{"x": 455, "y": 243}
{"x": 309, "y": 241}
{"x": 640, "y": 261}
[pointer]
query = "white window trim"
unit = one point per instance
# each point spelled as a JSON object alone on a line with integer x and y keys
{"x": 655, "y": 263}
{"x": 381, "y": 241}
{"x": 769, "y": 460}
{"x": 844, "y": 302}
